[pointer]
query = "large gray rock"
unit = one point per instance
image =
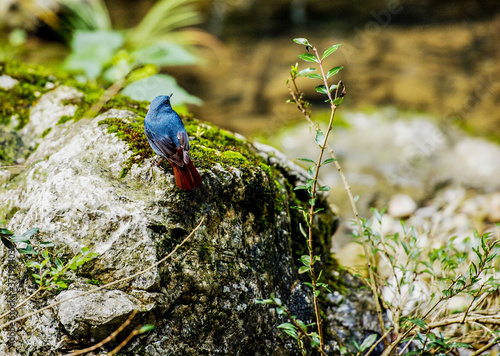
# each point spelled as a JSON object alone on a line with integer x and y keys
{"x": 201, "y": 300}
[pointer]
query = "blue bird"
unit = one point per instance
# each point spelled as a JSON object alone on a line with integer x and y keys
{"x": 168, "y": 138}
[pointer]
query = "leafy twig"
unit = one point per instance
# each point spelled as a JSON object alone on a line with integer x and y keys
{"x": 302, "y": 106}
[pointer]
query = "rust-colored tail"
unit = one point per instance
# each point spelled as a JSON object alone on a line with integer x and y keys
{"x": 186, "y": 177}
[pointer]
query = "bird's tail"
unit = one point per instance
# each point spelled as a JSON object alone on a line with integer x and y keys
{"x": 186, "y": 177}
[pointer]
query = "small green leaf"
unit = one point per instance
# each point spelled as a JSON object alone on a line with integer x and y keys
{"x": 263, "y": 301}
{"x": 324, "y": 188}
{"x": 301, "y": 187}
{"x": 418, "y": 322}
{"x": 44, "y": 262}
{"x": 330, "y": 51}
{"x": 305, "y": 71}
{"x": 28, "y": 250}
{"x": 311, "y": 170}
{"x": 302, "y": 41}
{"x": 306, "y": 160}
{"x": 472, "y": 269}
{"x": 305, "y": 259}
{"x": 321, "y": 89}
{"x": 308, "y": 57}
{"x": 47, "y": 244}
{"x": 19, "y": 238}
{"x": 32, "y": 264}
{"x": 356, "y": 198}
{"x": 314, "y": 76}
{"x": 309, "y": 284}
{"x": 6, "y": 232}
{"x": 145, "y": 328}
{"x": 312, "y": 201}
{"x": 329, "y": 160}
{"x": 326, "y": 286}
{"x": 310, "y": 182}
{"x": 276, "y": 300}
{"x": 290, "y": 329}
{"x": 315, "y": 340}
{"x": 303, "y": 232}
{"x": 320, "y": 138}
{"x": 62, "y": 284}
{"x": 460, "y": 344}
{"x": 337, "y": 101}
{"x": 7, "y": 242}
{"x": 368, "y": 342}
{"x": 30, "y": 233}
{"x": 333, "y": 71}
{"x": 304, "y": 269}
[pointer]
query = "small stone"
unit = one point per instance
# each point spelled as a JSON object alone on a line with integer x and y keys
{"x": 7, "y": 82}
{"x": 401, "y": 206}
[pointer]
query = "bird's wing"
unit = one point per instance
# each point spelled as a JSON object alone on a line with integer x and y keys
{"x": 164, "y": 146}
{"x": 184, "y": 142}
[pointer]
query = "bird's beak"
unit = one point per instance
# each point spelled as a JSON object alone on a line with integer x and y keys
{"x": 171, "y": 95}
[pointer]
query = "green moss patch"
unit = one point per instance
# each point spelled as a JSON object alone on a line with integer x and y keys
{"x": 92, "y": 95}
{"x": 133, "y": 134}
{"x": 15, "y": 103}
{"x": 210, "y": 146}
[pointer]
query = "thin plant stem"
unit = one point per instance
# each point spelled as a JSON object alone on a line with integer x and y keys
{"x": 23, "y": 302}
{"x": 299, "y": 327}
{"x": 485, "y": 347}
{"x": 471, "y": 303}
{"x": 333, "y": 107}
{"x": 106, "y": 340}
{"x": 124, "y": 342}
{"x": 378, "y": 342}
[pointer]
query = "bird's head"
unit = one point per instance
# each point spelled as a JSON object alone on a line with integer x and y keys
{"x": 160, "y": 101}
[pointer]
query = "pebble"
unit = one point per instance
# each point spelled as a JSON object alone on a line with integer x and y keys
{"x": 401, "y": 206}
{"x": 7, "y": 82}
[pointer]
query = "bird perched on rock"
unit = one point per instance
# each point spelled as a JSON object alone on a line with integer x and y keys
{"x": 168, "y": 138}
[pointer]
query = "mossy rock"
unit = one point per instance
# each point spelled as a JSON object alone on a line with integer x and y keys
{"x": 94, "y": 182}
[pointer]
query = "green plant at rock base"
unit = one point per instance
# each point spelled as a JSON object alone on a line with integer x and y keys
{"x": 47, "y": 267}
